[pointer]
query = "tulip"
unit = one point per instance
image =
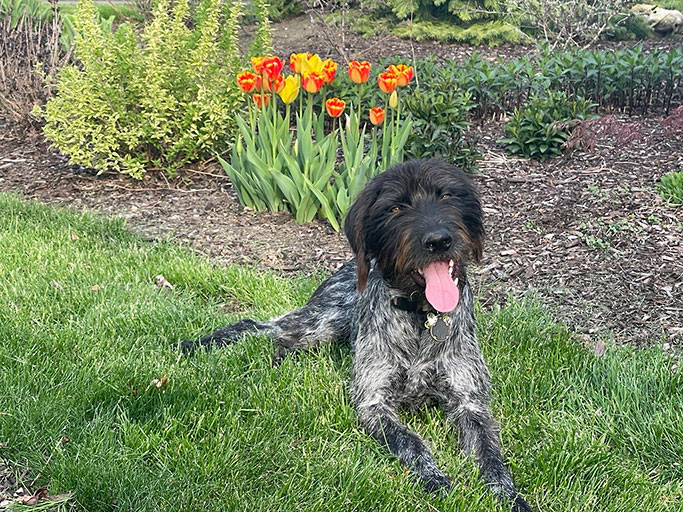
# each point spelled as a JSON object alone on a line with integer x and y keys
{"x": 359, "y": 72}
{"x": 296, "y": 59}
{"x": 247, "y": 81}
{"x": 261, "y": 100}
{"x": 312, "y": 82}
{"x": 290, "y": 90}
{"x": 257, "y": 64}
{"x": 404, "y": 74}
{"x": 271, "y": 67}
{"x": 376, "y": 115}
{"x": 311, "y": 64}
{"x": 329, "y": 71}
{"x": 393, "y": 100}
{"x": 387, "y": 82}
{"x": 335, "y": 107}
{"x": 275, "y": 85}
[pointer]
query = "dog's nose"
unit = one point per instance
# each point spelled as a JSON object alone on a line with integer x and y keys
{"x": 437, "y": 240}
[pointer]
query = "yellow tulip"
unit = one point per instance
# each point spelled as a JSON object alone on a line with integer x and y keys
{"x": 393, "y": 100}
{"x": 291, "y": 89}
{"x": 312, "y": 64}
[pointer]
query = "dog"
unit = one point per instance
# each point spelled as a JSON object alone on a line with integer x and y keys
{"x": 406, "y": 306}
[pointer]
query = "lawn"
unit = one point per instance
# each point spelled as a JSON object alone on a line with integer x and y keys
{"x": 85, "y": 330}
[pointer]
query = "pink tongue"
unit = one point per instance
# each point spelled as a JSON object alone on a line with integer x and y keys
{"x": 441, "y": 291}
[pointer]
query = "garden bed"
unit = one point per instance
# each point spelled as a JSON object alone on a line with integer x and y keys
{"x": 588, "y": 233}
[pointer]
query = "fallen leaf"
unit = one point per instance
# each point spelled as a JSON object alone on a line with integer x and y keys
{"x": 74, "y": 236}
{"x": 95, "y": 288}
{"x": 56, "y": 285}
{"x": 161, "y": 282}
{"x": 599, "y": 348}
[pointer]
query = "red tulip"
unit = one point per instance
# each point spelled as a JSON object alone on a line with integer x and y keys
{"x": 275, "y": 85}
{"x": 271, "y": 67}
{"x": 329, "y": 71}
{"x": 335, "y": 107}
{"x": 261, "y": 100}
{"x": 247, "y": 81}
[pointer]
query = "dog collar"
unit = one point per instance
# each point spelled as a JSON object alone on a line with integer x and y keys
{"x": 438, "y": 324}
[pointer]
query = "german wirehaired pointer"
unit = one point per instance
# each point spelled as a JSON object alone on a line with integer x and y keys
{"x": 406, "y": 307}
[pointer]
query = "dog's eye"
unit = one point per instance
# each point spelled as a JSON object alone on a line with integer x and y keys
{"x": 446, "y": 196}
{"x": 395, "y": 209}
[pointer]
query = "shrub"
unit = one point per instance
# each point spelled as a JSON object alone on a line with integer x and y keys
{"x": 671, "y": 187}
{"x": 157, "y": 100}
{"x": 440, "y": 119}
{"x": 540, "y": 128}
{"x": 565, "y": 24}
{"x": 30, "y": 56}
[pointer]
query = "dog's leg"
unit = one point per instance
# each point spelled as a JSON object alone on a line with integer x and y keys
{"x": 381, "y": 422}
{"x": 326, "y": 317}
{"x": 479, "y": 437}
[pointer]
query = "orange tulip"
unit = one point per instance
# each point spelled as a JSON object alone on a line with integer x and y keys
{"x": 387, "y": 82}
{"x": 329, "y": 71}
{"x": 335, "y": 107}
{"x": 403, "y": 73}
{"x": 376, "y": 115}
{"x": 295, "y": 60}
{"x": 312, "y": 82}
{"x": 257, "y": 64}
{"x": 261, "y": 100}
{"x": 271, "y": 67}
{"x": 247, "y": 81}
{"x": 275, "y": 85}
{"x": 359, "y": 72}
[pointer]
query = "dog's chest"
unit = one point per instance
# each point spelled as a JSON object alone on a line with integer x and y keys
{"x": 419, "y": 369}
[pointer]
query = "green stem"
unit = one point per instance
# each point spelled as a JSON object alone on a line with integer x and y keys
{"x": 360, "y": 88}
{"x": 273, "y": 141}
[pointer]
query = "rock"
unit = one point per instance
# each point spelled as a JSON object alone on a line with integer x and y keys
{"x": 663, "y": 21}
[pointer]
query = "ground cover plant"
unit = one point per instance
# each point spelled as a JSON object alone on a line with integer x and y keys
{"x": 95, "y": 398}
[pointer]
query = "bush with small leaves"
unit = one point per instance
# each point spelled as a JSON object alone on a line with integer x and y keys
{"x": 156, "y": 99}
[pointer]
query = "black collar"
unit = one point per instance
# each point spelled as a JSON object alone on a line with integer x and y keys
{"x": 405, "y": 304}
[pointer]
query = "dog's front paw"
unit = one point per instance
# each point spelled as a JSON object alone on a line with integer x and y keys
{"x": 520, "y": 505}
{"x": 437, "y": 483}
{"x": 188, "y": 346}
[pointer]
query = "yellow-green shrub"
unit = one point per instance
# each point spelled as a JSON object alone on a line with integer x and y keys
{"x": 157, "y": 99}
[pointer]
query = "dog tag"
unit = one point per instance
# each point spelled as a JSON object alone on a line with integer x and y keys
{"x": 439, "y": 326}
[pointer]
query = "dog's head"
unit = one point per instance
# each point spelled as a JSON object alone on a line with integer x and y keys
{"x": 421, "y": 222}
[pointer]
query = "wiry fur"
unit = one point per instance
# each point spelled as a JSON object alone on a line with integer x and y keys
{"x": 397, "y": 364}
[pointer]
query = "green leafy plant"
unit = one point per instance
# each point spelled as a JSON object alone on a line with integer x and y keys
{"x": 154, "y": 100}
{"x": 671, "y": 187}
{"x": 440, "y": 115}
{"x": 540, "y": 128}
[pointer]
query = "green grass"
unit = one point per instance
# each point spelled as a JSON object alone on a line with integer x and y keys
{"x": 230, "y": 432}
{"x": 671, "y": 187}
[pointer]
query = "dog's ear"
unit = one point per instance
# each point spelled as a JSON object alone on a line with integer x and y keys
{"x": 355, "y": 229}
{"x": 472, "y": 217}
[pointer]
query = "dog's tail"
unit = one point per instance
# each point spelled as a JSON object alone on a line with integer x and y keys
{"x": 227, "y": 335}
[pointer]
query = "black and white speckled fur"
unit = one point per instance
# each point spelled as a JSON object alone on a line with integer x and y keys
{"x": 397, "y": 364}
